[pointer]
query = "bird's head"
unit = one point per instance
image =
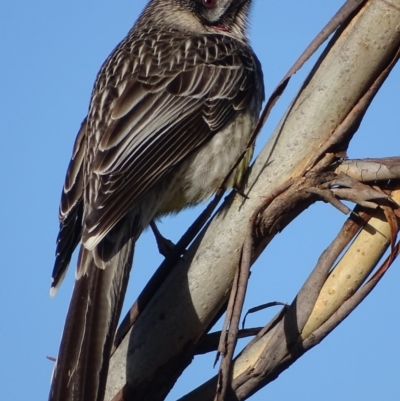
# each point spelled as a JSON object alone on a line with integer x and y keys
{"x": 200, "y": 16}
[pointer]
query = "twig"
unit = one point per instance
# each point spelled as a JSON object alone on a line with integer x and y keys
{"x": 210, "y": 342}
{"x": 228, "y": 340}
{"x": 261, "y": 307}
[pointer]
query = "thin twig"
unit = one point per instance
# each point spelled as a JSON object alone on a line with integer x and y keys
{"x": 261, "y": 307}
{"x": 228, "y": 341}
{"x": 210, "y": 342}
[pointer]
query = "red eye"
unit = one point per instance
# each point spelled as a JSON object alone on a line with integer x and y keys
{"x": 209, "y": 3}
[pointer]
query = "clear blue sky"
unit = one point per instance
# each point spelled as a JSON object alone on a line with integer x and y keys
{"x": 50, "y": 54}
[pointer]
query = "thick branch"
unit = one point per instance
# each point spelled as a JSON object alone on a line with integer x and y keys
{"x": 193, "y": 293}
{"x": 279, "y": 345}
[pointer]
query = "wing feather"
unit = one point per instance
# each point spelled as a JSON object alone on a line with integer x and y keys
{"x": 71, "y": 211}
{"x": 177, "y": 94}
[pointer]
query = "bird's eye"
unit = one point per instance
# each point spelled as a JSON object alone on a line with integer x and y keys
{"x": 209, "y": 3}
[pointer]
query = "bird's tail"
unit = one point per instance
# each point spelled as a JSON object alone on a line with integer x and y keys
{"x": 81, "y": 369}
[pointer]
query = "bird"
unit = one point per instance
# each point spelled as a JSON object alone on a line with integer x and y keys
{"x": 171, "y": 110}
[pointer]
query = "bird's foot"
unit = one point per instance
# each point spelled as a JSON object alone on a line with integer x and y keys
{"x": 165, "y": 246}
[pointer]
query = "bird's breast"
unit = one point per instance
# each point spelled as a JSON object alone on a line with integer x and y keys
{"x": 201, "y": 174}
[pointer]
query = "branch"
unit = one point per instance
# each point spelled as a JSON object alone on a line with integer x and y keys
{"x": 163, "y": 341}
{"x": 323, "y": 302}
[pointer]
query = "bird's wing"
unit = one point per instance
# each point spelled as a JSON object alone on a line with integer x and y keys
{"x": 178, "y": 91}
{"x": 71, "y": 210}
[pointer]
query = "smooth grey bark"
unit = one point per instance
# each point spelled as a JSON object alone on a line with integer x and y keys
{"x": 194, "y": 292}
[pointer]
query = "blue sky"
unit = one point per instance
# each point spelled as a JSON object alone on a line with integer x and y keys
{"x": 51, "y": 52}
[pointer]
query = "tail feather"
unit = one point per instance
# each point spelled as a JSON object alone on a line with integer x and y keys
{"x": 81, "y": 370}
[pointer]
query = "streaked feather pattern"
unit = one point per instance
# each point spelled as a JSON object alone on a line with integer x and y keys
{"x": 71, "y": 210}
{"x": 209, "y": 80}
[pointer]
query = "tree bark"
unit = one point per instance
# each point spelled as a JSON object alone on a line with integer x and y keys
{"x": 327, "y": 110}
